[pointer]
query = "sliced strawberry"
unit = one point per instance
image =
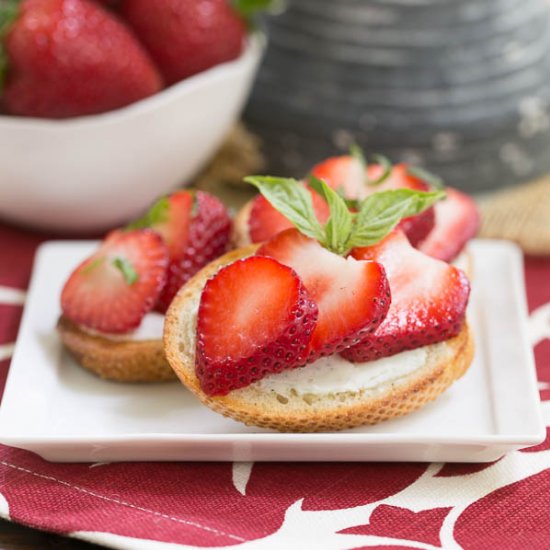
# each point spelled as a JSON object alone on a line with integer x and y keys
{"x": 208, "y": 237}
{"x": 255, "y": 318}
{"x": 265, "y": 222}
{"x": 170, "y": 217}
{"x": 429, "y": 300}
{"x": 112, "y": 290}
{"x": 352, "y": 296}
{"x": 196, "y": 228}
{"x": 417, "y": 228}
{"x": 345, "y": 173}
{"x": 456, "y": 222}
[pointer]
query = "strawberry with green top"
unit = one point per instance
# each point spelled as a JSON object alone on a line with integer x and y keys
{"x": 111, "y": 291}
{"x": 185, "y": 37}
{"x": 196, "y": 227}
{"x": 65, "y": 58}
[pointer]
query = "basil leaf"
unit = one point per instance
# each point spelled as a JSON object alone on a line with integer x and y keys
{"x": 340, "y": 222}
{"x": 157, "y": 214}
{"x": 357, "y": 153}
{"x": 249, "y": 9}
{"x": 381, "y": 212}
{"x": 292, "y": 200}
{"x": 127, "y": 270}
{"x": 386, "y": 169}
{"x": 435, "y": 182}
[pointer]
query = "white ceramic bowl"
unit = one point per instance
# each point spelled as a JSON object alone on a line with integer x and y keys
{"x": 92, "y": 173}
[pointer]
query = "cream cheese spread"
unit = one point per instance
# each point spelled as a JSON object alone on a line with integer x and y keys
{"x": 335, "y": 374}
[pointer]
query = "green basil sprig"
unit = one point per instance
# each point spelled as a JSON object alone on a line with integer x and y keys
{"x": 376, "y": 216}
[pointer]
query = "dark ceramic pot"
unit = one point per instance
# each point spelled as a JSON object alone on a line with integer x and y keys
{"x": 462, "y": 87}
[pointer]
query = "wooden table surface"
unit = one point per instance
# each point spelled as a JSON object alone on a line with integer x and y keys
{"x": 16, "y": 537}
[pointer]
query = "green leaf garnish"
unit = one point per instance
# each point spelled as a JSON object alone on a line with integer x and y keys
{"x": 434, "y": 181}
{"x": 127, "y": 270}
{"x": 381, "y": 212}
{"x": 340, "y": 222}
{"x": 386, "y": 169}
{"x": 157, "y": 214}
{"x": 249, "y": 9}
{"x": 9, "y": 10}
{"x": 378, "y": 214}
{"x": 357, "y": 153}
{"x": 92, "y": 265}
{"x": 292, "y": 200}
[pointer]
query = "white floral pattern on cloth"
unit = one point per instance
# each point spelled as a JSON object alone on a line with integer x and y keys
{"x": 408, "y": 506}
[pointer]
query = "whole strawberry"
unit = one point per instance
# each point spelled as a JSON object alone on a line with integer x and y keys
{"x": 65, "y": 58}
{"x": 185, "y": 37}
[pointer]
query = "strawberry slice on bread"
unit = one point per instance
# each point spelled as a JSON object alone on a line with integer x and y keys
{"x": 457, "y": 220}
{"x": 255, "y": 318}
{"x": 111, "y": 291}
{"x": 352, "y": 296}
{"x": 222, "y": 325}
{"x": 429, "y": 299}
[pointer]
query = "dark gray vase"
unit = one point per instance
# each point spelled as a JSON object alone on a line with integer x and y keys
{"x": 460, "y": 86}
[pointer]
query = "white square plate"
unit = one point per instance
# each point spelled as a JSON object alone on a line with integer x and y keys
{"x": 55, "y": 408}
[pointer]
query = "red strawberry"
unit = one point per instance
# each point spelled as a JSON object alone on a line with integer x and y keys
{"x": 70, "y": 58}
{"x": 429, "y": 300}
{"x": 112, "y": 290}
{"x": 456, "y": 222}
{"x": 255, "y": 318}
{"x": 346, "y": 173}
{"x": 196, "y": 228}
{"x": 352, "y": 296}
{"x": 185, "y": 37}
{"x": 265, "y": 222}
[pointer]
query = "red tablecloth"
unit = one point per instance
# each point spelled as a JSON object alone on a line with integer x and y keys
{"x": 505, "y": 504}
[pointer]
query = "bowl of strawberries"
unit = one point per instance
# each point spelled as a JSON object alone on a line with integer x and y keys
{"x": 109, "y": 104}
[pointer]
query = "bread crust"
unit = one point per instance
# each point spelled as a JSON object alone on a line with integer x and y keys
{"x": 240, "y": 236}
{"x": 118, "y": 360}
{"x": 446, "y": 362}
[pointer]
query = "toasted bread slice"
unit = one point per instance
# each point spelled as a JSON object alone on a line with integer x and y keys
{"x": 120, "y": 360}
{"x": 254, "y": 405}
{"x": 240, "y": 236}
